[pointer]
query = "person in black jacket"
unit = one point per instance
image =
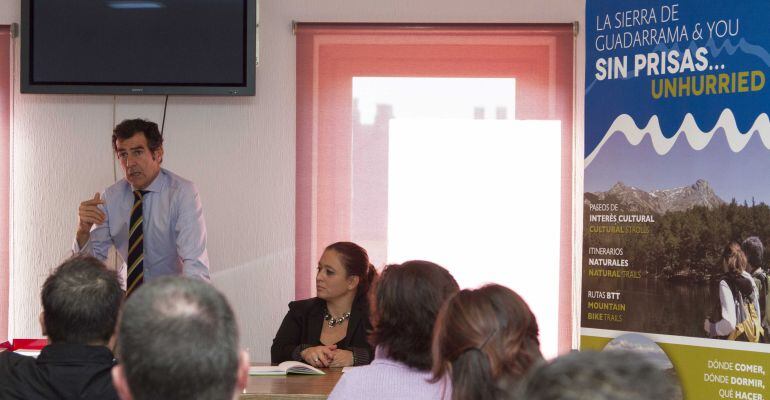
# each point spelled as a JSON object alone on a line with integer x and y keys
{"x": 331, "y": 330}
{"x": 81, "y": 300}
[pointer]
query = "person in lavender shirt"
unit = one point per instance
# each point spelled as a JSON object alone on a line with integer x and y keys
{"x": 405, "y": 302}
{"x": 486, "y": 340}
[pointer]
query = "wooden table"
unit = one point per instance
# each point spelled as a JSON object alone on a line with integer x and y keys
{"x": 306, "y": 387}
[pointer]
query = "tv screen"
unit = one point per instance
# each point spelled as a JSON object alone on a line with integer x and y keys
{"x": 195, "y": 47}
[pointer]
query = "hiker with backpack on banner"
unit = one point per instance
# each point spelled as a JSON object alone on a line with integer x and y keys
{"x": 737, "y": 315}
{"x": 755, "y": 252}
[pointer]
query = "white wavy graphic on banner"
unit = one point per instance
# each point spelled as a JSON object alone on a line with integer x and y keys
{"x": 697, "y": 138}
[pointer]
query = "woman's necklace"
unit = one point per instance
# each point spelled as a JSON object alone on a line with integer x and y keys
{"x": 331, "y": 321}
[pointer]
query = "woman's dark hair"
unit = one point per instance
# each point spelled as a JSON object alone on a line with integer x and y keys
{"x": 356, "y": 262}
{"x": 130, "y": 127}
{"x": 486, "y": 341}
{"x": 404, "y": 303}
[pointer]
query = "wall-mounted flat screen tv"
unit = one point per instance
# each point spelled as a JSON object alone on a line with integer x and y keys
{"x": 172, "y": 47}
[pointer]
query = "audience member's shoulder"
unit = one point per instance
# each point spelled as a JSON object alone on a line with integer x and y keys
{"x": 353, "y": 382}
{"x": 15, "y": 369}
{"x": 13, "y": 360}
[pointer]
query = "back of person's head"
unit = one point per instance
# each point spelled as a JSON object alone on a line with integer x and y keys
{"x": 81, "y": 301}
{"x": 608, "y": 375}
{"x": 485, "y": 339}
{"x": 405, "y": 302}
{"x": 356, "y": 262}
{"x": 754, "y": 251}
{"x": 733, "y": 259}
{"x": 178, "y": 339}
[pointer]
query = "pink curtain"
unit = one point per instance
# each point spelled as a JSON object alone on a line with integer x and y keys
{"x": 5, "y": 124}
{"x": 539, "y": 56}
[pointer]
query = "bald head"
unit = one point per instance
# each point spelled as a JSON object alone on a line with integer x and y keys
{"x": 178, "y": 339}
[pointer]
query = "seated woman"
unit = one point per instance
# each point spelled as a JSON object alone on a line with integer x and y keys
{"x": 330, "y": 330}
{"x": 486, "y": 341}
{"x": 405, "y": 302}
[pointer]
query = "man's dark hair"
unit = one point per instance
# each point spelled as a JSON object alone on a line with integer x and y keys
{"x": 178, "y": 339}
{"x": 589, "y": 375}
{"x": 754, "y": 251}
{"x": 81, "y": 301}
{"x": 130, "y": 127}
{"x": 405, "y": 302}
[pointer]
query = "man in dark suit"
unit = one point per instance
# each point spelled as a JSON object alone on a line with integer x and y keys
{"x": 81, "y": 300}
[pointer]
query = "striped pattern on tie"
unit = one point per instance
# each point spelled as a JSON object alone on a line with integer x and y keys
{"x": 135, "y": 245}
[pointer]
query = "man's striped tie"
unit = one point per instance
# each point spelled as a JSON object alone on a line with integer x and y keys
{"x": 136, "y": 245}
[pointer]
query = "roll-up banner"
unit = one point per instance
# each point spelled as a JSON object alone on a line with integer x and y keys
{"x": 677, "y": 187}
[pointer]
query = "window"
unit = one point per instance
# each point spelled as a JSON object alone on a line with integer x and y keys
{"x": 451, "y": 143}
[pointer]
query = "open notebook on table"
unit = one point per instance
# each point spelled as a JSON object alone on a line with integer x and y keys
{"x": 286, "y": 367}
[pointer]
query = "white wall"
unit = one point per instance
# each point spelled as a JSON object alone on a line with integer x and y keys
{"x": 239, "y": 151}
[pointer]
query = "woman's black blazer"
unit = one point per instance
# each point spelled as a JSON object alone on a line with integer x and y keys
{"x": 301, "y": 328}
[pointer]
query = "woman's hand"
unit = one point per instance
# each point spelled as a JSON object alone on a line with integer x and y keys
{"x": 319, "y": 356}
{"x": 342, "y": 358}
